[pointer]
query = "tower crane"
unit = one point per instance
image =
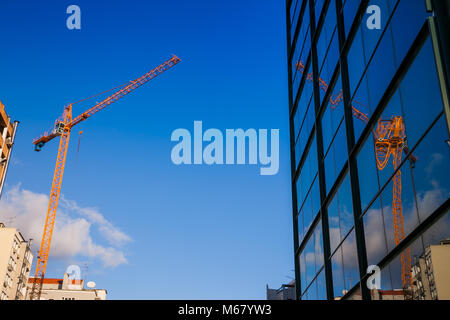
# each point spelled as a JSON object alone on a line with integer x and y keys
{"x": 390, "y": 140}
{"x": 62, "y": 129}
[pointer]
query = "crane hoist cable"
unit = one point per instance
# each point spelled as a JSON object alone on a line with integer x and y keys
{"x": 78, "y": 146}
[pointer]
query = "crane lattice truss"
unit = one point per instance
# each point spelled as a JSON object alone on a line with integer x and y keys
{"x": 390, "y": 140}
{"x": 63, "y": 127}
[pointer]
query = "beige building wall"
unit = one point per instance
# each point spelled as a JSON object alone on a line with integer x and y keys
{"x": 440, "y": 258}
{"x": 86, "y": 294}
{"x": 431, "y": 273}
{"x": 15, "y": 264}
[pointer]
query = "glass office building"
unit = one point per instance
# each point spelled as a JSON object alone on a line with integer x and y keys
{"x": 370, "y": 148}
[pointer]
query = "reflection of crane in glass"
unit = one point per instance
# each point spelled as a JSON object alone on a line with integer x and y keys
{"x": 390, "y": 139}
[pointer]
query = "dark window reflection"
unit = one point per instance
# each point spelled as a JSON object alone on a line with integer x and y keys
{"x": 336, "y": 157}
{"x": 350, "y": 258}
{"x": 375, "y": 233}
{"x": 340, "y": 214}
{"x": 350, "y": 8}
{"x": 345, "y": 267}
{"x": 311, "y": 260}
{"x": 368, "y": 173}
{"x": 338, "y": 274}
{"x": 333, "y": 115}
{"x": 432, "y": 173}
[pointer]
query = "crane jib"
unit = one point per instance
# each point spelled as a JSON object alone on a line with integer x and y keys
{"x": 132, "y": 85}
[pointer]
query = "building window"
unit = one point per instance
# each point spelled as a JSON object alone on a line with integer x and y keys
{"x": 397, "y": 83}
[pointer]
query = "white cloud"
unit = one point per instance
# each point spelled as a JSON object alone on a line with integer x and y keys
{"x": 113, "y": 235}
{"x": 72, "y": 235}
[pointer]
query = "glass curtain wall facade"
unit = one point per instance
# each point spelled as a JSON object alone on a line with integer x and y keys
{"x": 370, "y": 149}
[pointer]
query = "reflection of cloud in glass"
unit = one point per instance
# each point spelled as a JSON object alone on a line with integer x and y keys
{"x": 427, "y": 202}
{"x": 373, "y": 228}
{"x": 349, "y": 252}
{"x": 346, "y": 219}
{"x": 318, "y": 248}
{"x": 350, "y": 259}
{"x": 435, "y": 160}
{"x": 430, "y": 200}
{"x": 310, "y": 258}
{"x": 335, "y": 237}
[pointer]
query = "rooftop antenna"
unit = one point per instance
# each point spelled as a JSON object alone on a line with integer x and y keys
{"x": 85, "y": 270}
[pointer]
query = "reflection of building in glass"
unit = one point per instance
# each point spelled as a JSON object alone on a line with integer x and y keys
{"x": 285, "y": 292}
{"x": 369, "y": 143}
{"x": 378, "y": 294}
{"x": 431, "y": 275}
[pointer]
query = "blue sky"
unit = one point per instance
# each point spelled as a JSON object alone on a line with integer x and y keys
{"x": 191, "y": 232}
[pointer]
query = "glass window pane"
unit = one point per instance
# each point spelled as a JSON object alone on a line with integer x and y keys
{"x": 326, "y": 34}
{"x": 313, "y": 256}
{"x": 432, "y": 170}
{"x": 357, "y": 65}
{"x": 381, "y": 69}
{"x": 295, "y": 12}
{"x": 333, "y": 115}
{"x": 340, "y": 214}
{"x": 336, "y": 157}
{"x": 372, "y": 36}
{"x": 406, "y": 23}
{"x": 418, "y": 96}
{"x": 318, "y": 246}
{"x": 310, "y": 261}
{"x": 333, "y": 222}
{"x": 318, "y": 9}
{"x": 338, "y": 274}
{"x": 350, "y": 9}
{"x": 328, "y": 67}
{"x": 405, "y": 204}
{"x": 302, "y": 265}
{"x": 350, "y": 259}
{"x": 368, "y": 173}
{"x": 375, "y": 234}
{"x": 321, "y": 286}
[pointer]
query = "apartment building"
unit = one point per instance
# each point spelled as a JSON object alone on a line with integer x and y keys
{"x": 7, "y": 136}
{"x": 285, "y": 292}
{"x": 15, "y": 264}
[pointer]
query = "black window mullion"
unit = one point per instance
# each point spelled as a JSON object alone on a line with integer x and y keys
{"x": 321, "y": 168}
{"x": 354, "y": 179}
{"x": 292, "y": 142}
